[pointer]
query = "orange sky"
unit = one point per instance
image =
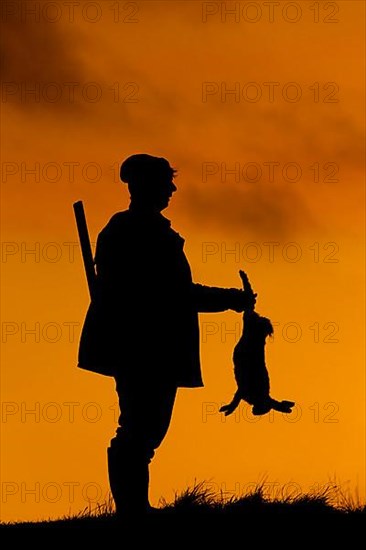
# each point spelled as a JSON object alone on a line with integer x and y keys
{"x": 310, "y": 279}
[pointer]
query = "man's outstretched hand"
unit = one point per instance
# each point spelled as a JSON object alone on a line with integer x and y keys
{"x": 242, "y": 300}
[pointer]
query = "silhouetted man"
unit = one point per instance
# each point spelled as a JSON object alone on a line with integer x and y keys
{"x": 142, "y": 328}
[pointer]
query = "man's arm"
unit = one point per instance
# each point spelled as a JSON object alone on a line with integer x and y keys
{"x": 211, "y": 299}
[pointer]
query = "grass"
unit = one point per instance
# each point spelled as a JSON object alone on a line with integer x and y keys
{"x": 201, "y": 506}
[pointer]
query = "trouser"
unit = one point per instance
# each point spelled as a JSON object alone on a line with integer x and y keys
{"x": 146, "y": 408}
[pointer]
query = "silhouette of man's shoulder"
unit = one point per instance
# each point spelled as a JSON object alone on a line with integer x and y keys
{"x": 128, "y": 219}
{"x": 116, "y": 224}
{"x": 118, "y": 219}
{"x": 129, "y": 227}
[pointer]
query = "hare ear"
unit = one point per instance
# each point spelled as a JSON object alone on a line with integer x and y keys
{"x": 243, "y": 276}
{"x": 246, "y": 284}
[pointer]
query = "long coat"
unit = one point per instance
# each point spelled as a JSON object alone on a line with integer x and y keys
{"x": 144, "y": 319}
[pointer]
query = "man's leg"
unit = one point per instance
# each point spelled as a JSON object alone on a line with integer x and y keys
{"x": 146, "y": 410}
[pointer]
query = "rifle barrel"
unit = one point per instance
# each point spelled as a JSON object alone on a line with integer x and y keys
{"x": 85, "y": 247}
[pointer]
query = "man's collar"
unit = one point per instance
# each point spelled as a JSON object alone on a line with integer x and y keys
{"x": 148, "y": 216}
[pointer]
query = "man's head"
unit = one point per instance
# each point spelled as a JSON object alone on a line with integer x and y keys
{"x": 149, "y": 179}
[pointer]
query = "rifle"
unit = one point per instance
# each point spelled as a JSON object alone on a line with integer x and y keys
{"x": 85, "y": 248}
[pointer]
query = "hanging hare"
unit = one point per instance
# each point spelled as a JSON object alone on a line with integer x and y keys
{"x": 250, "y": 367}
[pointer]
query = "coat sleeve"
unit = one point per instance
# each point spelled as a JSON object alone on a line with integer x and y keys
{"x": 211, "y": 299}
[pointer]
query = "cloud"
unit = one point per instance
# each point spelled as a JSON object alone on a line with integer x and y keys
{"x": 35, "y": 53}
{"x": 169, "y": 62}
{"x": 267, "y": 212}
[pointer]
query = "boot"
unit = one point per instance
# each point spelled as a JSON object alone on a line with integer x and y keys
{"x": 129, "y": 482}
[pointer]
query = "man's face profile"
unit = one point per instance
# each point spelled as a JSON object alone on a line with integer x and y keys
{"x": 153, "y": 192}
{"x": 150, "y": 181}
{"x": 164, "y": 189}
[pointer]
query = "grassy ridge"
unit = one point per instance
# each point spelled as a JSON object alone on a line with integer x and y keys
{"x": 199, "y": 504}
